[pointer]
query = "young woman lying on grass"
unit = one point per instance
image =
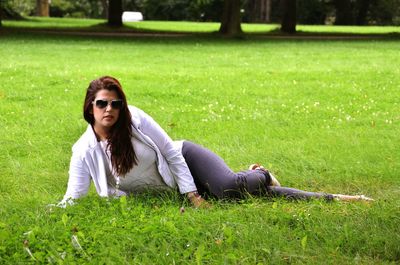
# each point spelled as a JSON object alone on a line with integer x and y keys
{"x": 124, "y": 151}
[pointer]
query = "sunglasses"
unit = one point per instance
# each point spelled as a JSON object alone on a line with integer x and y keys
{"x": 115, "y": 103}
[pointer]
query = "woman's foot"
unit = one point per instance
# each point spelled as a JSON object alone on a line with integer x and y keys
{"x": 274, "y": 181}
{"x": 341, "y": 197}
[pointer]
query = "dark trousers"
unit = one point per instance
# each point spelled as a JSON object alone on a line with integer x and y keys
{"x": 213, "y": 177}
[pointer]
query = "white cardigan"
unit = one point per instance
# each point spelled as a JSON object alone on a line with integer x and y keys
{"x": 88, "y": 160}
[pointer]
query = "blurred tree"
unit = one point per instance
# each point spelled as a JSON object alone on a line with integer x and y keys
{"x": 231, "y": 18}
{"x": 62, "y": 8}
{"x": 312, "y": 12}
{"x": 115, "y": 13}
{"x": 210, "y": 10}
{"x": 42, "y": 8}
{"x": 190, "y": 10}
{"x": 384, "y": 12}
{"x": 288, "y": 24}
{"x": 78, "y": 8}
{"x": 104, "y": 5}
{"x": 259, "y": 11}
{"x": 9, "y": 11}
{"x": 363, "y": 7}
{"x": 367, "y": 12}
{"x": 1, "y": 12}
{"x": 360, "y": 12}
{"x": 18, "y": 7}
{"x": 344, "y": 14}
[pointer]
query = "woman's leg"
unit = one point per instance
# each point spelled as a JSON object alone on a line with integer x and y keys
{"x": 213, "y": 176}
{"x": 296, "y": 194}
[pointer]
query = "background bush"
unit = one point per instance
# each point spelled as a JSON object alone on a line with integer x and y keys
{"x": 380, "y": 12}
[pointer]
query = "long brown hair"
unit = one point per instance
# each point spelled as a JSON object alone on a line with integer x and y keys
{"x": 123, "y": 157}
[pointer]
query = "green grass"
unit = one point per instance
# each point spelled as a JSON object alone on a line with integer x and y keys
{"x": 322, "y": 115}
{"x": 187, "y": 27}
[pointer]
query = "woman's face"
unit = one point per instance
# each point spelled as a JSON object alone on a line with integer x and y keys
{"x": 105, "y": 116}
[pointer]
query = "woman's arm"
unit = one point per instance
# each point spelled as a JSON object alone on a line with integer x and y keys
{"x": 79, "y": 180}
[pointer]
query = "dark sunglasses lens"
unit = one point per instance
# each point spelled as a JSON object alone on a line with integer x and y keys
{"x": 101, "y": 104}
{"x": 116, "y": 104}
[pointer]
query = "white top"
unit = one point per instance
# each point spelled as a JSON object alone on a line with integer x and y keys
{"x": 89, "y": 162}
{"x": 143, "y": 176}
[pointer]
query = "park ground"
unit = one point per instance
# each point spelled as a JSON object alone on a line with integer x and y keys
{"x": 322, "y": 114}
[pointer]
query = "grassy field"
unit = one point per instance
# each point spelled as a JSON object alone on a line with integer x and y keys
{"x": 322, "y": 115}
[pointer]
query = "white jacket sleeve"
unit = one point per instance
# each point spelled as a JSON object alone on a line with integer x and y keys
{"x": 176, "y": 162}
{"x": 79, "y": 180}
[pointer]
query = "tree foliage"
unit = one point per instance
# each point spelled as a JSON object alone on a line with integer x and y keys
{"x": 347, "y": 12}
{"x": 191, "y": 10}
{"x": 77, "y": 8}
{"x": 312, "y": 12}
{"x": 20, "y": 7}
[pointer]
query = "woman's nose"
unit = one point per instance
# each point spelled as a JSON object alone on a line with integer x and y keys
{"x": 108, "y": 108}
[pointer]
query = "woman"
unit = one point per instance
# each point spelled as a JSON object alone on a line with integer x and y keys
{"x": 124, "y": 151}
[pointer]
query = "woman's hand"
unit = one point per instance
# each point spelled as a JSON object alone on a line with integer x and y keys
{"x": 196, "y": 200}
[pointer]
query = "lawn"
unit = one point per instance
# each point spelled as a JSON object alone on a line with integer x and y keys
{"x": 322, "y": 115}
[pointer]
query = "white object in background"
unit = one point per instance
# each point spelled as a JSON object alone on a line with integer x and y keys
{"x": 129, "y": 16}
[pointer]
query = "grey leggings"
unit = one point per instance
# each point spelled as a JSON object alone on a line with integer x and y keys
{"x": 214, "y": 178}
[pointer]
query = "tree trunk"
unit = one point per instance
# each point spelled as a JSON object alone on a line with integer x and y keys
{"x": 288, "y": 24}
{"x": 363, "y": 7}
{"x": 115, "y": 13}
{"x": 253, "y": 9}
{"x": 264, "y": 12}
{"x": 42, "y": 8}
{"x": 1, "y": 13}
{"x": 260, "y": 11}
{"x": 231, "y": 18}
{"x": 268, "y": 4}
{"x": 343, "y": 12}
{"x": 104, "y": 13}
